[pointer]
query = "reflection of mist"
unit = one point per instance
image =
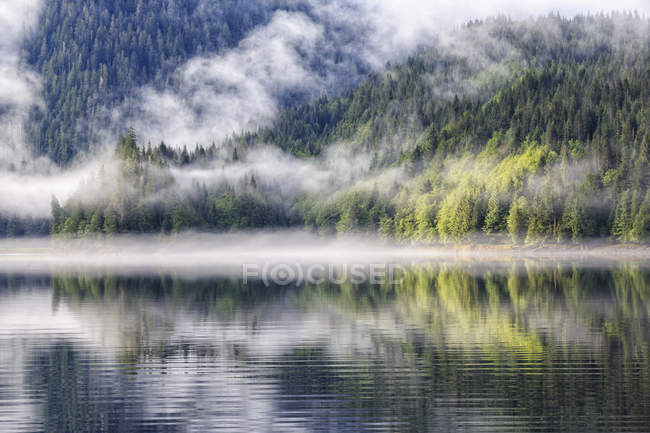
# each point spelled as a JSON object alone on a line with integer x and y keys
{"x": 27, "y": 326}
{"x": 205, "y": 352}
{"x": 207, "y": 385}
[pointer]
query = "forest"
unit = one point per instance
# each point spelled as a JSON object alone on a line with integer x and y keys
{"x": 547, "y": 143}
{"x": 92, "y": 55}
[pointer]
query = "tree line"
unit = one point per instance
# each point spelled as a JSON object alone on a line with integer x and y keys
{"x": 555, "y": 149}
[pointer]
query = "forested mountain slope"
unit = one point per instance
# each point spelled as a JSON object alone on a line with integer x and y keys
{"x": 531, "y": 131}
{"x": 551, "y": 79}
{"x": 92, "y": 54}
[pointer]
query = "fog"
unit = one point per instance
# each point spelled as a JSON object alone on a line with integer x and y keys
{"x": 228, "y": 254}
{"x": 233, "y": 92}
{"x": 30, "y": 194}
{"x": 284, "y": 176}
{"x": 19, "y": 86}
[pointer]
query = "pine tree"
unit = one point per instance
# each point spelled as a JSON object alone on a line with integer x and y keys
{"x": 58, "y": 217}
{"x": 110, "y": 222}
{"x": 622, "y": 217}
{"x": 575, "y": 222}
{"x": 494, "y": 218}
{"x": 96, "y": 223}
{"x": 518, "y": 218}
{"x": 641, "y": 225}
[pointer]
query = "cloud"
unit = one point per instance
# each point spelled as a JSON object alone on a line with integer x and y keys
{"x": 16, "y": 16}
{"x": 19, "y": 86}
{"x": 329, "y": 46}
{"x": 281, "y": 176}
{"x": 235, "y": 91}
{"x": 30, "y": 194}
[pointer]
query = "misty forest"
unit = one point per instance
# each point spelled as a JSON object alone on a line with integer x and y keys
{"x": 503, "y": 130}
{"x": 324, "y": 216}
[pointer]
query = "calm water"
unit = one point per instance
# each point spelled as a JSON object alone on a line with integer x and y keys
{"x": 452, "y": 348}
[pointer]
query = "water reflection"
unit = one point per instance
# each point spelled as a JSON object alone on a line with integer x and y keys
{"x": 453, "y": 348}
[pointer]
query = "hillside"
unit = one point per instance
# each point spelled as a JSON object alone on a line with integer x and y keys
{"x": 529, "y": 131}
{"x": 92, "y": 55}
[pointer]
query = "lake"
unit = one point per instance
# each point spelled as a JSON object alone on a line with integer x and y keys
{"x": 456, "y": 346}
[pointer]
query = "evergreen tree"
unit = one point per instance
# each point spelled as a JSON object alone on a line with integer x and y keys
{"x": 622, "y": 217}
{"x": 110, "y": 222}
{"x": 494, "y": 220}
{"x": 518, "y": 218}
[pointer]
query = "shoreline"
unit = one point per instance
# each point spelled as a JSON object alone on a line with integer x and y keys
{"x": 227, "y": 254}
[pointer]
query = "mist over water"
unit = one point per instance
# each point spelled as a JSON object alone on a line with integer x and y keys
{"x": 210, "y": 254}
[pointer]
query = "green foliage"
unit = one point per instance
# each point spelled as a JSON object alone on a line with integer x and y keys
{"x": 623, "y": 217}
{"x": 566, "y": 136}
{"x": 495, "y": 217}
{"x": 575, "y": 221}
{"x": 355, "y": 211}
{"x": 518, "y": 217}
{"x": 13, "y": 225}
{"x": 458, "y": 213}
{"x": 640, "y": 231}
{"x": 556, "y": 149}
{"x": 586, "y": 101}
{"x": 140, "y": 196}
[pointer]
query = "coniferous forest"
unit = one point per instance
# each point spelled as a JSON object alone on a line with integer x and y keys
{"x": 543, "y": 139}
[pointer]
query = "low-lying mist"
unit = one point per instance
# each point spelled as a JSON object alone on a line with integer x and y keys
{"x": 29, "y": 194}
{"x": 228, "y": 254}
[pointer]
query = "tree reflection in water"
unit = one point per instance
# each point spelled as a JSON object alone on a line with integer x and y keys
{"x": 453, "y": 347}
